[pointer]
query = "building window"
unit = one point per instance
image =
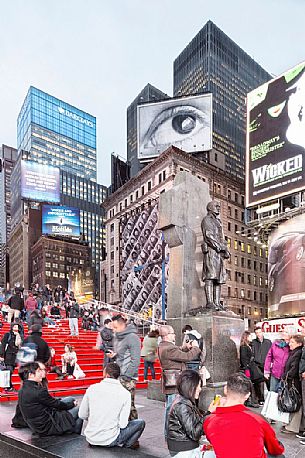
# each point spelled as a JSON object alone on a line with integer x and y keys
{"x": 236, "y": 213}
{"x": 229, "y": 242}
{"x": 242, "y": 246}
{"x": 229, "y": 226}
{"x": 235, "y": 245}
{"x": 249, "y": 249}
{"x": 149, "y": 186}
{"x": 160, "y": 178}
{"x": 143, "y": 190}
{"x": 236, "y": 197}
{"x": 229, "y": 291}
{"x": 112, "y": 227}
{"x": 249, "y": 310}
{"x": 242, "y": 261}
{"x": 112, "y": 255}
{"x": 235, "y": 260}
{"x": 229, "y": 211}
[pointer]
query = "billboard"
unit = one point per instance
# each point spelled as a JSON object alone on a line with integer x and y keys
{"x": 141, "y": 261}
{"x": 60, "y": 220}
{"x": 286, "y": 268}
{"x": 40, "y": 182}
{"x": 185, "y": 122}
{"x": 275, "y": 137}
{"x": 81, "y": 282}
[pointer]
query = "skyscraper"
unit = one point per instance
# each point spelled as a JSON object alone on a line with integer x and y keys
{"x": 56, "y": 133}
{"x": 212, "y": 62}
{"x": 8, "y": 158}
{"x": 148, "y": 94}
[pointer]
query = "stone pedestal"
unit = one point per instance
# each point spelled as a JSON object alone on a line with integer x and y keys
{"x": 221, "y": 332}
{"x": 154, "y": 390}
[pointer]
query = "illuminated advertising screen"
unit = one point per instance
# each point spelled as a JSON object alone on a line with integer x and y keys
{"x": 185, "y": 122}
{"x": 40, "y": 182}
{"x": 60, "y": 220}
{"x": 141, "y": 261}
{"x": 81, "y": 282}
{"x": 286, "y": 268}
{"x": 276, "y": 137}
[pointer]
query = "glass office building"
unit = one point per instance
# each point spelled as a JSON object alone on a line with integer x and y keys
{"x": 148, "y": 94}
{"x": 212, "y": 62}
{"x": 56, "y": 133}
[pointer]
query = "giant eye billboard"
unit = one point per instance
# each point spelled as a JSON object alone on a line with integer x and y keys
{"x": 286, "y": 268}
{"x": 141, "y": 261}
{"x": 185, "y": 122}
{"x": 39, "y": 182}
{"x": 276, "y": 137}
{"x": 60, "y": 221}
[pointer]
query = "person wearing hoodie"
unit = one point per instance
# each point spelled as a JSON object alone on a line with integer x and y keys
{"x": 107, "y": 340}
{"x": 30, "y": 306}
{"x": 276, "y": 360}
{"x": 42, "y": 348}
{"x": 10, "y": 344}
{"x": 127, "y": 353}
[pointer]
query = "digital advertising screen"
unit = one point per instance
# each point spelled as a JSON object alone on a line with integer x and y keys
{"x": 276, "y": 137}
{"x": 286, "y": 268}
{"x": 185, "y": 122}
{"x": 60, "y": 220}
{"x": 40, "y": 182}
{"x": 141, "y": 261}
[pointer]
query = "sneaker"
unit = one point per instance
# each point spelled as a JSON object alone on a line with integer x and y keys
{"x": 261, "y": 403}
{"x": 135, "y": 445}
{"x": 300, "y": 435}
{"x": 302, "y": 442}
{"x": 285, "y": 431}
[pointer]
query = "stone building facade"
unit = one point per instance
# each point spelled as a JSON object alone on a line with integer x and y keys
{"x": 245, "y": 292}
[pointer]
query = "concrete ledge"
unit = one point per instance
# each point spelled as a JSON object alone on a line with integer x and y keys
{"x": 154, "y": 391}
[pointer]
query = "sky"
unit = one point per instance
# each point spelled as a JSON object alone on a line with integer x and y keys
{"x": 98, "y": 54}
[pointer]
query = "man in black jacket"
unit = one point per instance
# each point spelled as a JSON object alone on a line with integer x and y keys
{"x": 16, "y": 305}
{"x": 45, "y": 415}
{"x": 42, "y": 348}
{"x": 73, "y": 318}
{"x": 260, "y": 348}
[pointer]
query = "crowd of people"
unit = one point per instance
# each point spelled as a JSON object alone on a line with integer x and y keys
{"x": 109, "y": 406}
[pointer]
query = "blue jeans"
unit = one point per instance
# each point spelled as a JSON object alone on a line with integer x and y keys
{"x": 73, "y": 324}
{"x": 74, "y": 412}
{"x": 169, "y": 400}
{"x": 129, "y": 435}
{"x": 274, "y": 383}
{"x": 149, "y": 364}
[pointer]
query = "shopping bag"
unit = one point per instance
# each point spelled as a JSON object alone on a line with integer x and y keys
{"x": 78, "y": 373}
{"x": 4, "y": 379}
{"x": 271, "y": 411}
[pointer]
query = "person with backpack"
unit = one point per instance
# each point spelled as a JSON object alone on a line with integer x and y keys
{"x": 34, "y": 340}
{"x": 10, "y": 345}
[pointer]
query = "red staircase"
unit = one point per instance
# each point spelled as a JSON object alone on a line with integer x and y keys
{"x": 89, "y": 359}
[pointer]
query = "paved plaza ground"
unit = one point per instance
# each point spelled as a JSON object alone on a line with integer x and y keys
{"x": 152, "y": 442}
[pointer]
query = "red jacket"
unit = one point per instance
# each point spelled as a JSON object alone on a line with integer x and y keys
{"x": 236, "y": 432}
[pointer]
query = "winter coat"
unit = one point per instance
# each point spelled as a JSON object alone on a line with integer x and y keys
{"x": 172, "y": 357}
{"x": 260, "y": 350}
{"x": 35, "y": 318}
{"x": 213, "y": 248}
{"x": 43, "y": 350}
{"x": 302, "y": 362}
{"x": 127, "y": 347}
{"x": 30, "y": 304}
{"x": 44, "y": 414}
{"x": 9, "y": 349}
{"x": 245, "y": 357}
{"x": 291, "y": 371}
{"x": 107, "y": 339}
{"x": 149, "y": 348}
{"x": 185, "y": 425}
{"x": 16, "y": 302}
{"x": 74, "y": 310}
{"x": 276, "y": 359}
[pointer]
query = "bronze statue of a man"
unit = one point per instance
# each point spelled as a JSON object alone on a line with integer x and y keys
{"x": 215, "y": 250}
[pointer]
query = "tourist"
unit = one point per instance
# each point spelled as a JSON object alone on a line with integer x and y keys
{"x": 276, "y": 359}
{"x": 260, "y": 348}
{"x": 52, "y": 366}
{"x": 245, "y": 358}
{"x": 10, "y": 344}
{"x": 41, "y": 346}
{"x": 16, "y": 305}
{"x": 127, "y": 353}
{"x": 30, "y": 306}
{"x": 73, "y": 318}
{"x": 35, "y": 318}
{"x": 68, "y": 361}
{"x": 149, "y": 353}
{"x": 44, "y": 414}
{"x": 173, "y": 360}
{"x": 198, "y": 362}
{"x": 185, "y": 420}
{"x": 291, "y": 375}
{"x": 106, "y": 335}
{"x": 234, "y": 431}
{"x": 55, "y": 311}
{"x": 106, "y": 407}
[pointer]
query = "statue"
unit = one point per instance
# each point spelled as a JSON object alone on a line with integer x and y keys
{"x": 215, "y": 250}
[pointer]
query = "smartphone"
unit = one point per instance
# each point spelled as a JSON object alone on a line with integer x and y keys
{"x": 216, "y": 401}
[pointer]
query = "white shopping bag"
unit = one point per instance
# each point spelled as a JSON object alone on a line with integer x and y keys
{"x": 4, "y": 379}
{"x": 78, "y": 373}
{"x": 270, "y": 409}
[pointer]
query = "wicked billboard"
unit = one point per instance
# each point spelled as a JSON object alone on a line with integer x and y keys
{"x": 275, "y": 138}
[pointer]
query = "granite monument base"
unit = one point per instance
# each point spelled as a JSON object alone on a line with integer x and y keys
{"x": 154, "y": 391}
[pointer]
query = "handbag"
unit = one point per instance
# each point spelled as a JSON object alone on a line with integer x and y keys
{"x": 5, "y": 376}
{"x": 170, "y": 377}
{"x": 78, "y": 372}
{"x": 289, "y": 399}
{"x": 271, "y": 411}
